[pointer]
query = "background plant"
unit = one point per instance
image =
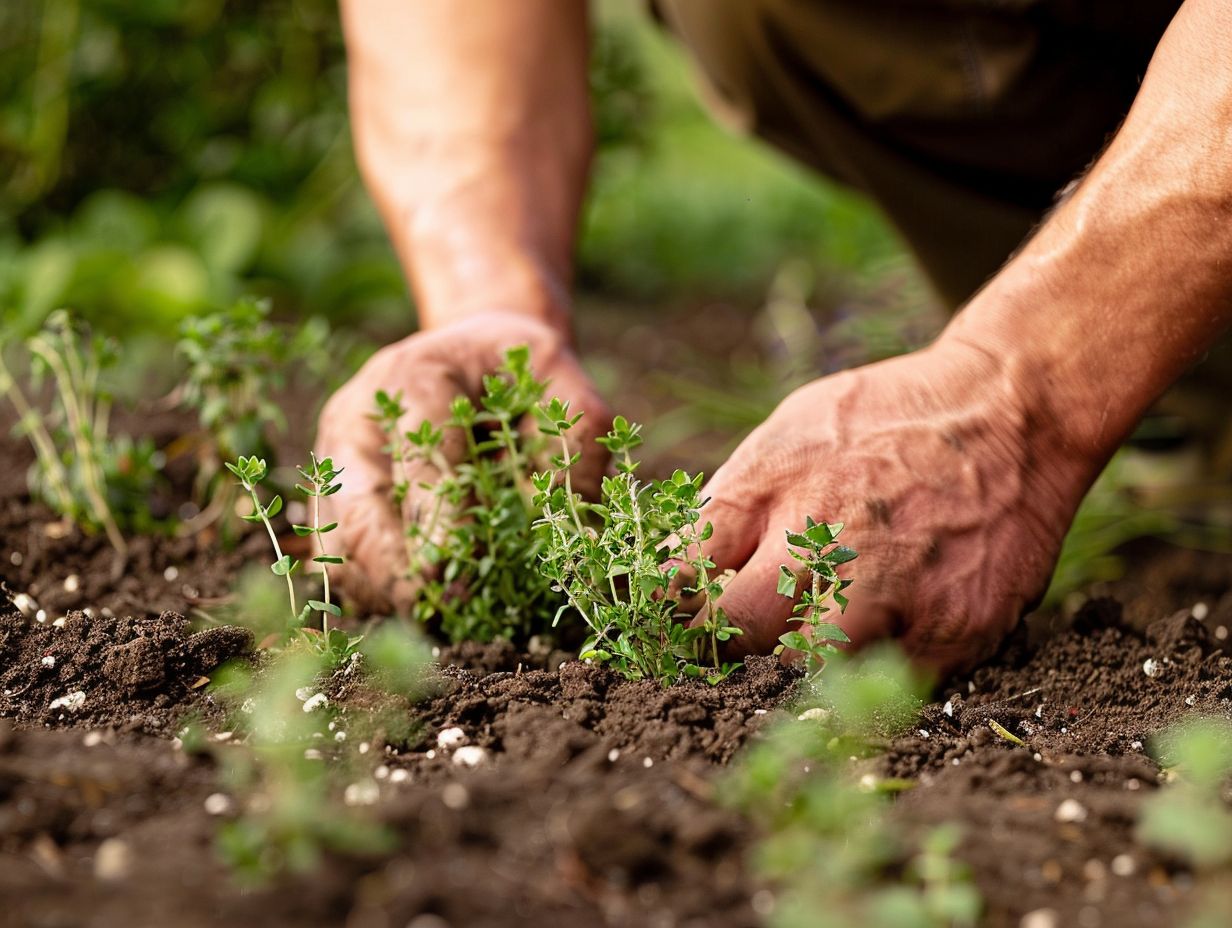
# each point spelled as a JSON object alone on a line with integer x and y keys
{"x": 471, "y": 546}
{"x": 626, "y": 565}
{"x": 98, "y": 481}
{"x": 829, "y": 845}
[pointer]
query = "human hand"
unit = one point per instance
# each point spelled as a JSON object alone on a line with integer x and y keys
{"x": 430, "y": 369}
{"x": 955, "y": 494}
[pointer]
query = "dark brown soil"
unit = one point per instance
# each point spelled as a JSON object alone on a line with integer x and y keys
{"x": 592, "y": 804}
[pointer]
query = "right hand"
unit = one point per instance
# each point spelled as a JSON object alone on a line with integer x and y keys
{"x": 430, "y": 369}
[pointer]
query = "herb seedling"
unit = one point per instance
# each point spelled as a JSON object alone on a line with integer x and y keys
{"x": 320, "y": 481}
{"x": 816, "y": 550}
{"x": 626, "y": 564}
{"x": 469, "y": 538}
{"x": 250, "y": 471}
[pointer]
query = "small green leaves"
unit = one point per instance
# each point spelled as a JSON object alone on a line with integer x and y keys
{"x": 325, "y": 607}
{"x": 284, "y": 566}
{"x": 250, "y": 470}
{"x": 816, "y": 549}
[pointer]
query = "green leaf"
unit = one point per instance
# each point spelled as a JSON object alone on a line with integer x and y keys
{"x": 328, "y": 527}
{"x": 796, "y": 640}
{"x": 274, "y": 507}
{"x": 302, "y": 530}
{"x": 787, "y": 582}
{"x": 828, "y": 631}
{"x": 319, "y": 606}
{"x": 284, "y": 565}
{"x": 841, "y": 555}
{"x": 329, "y": 559}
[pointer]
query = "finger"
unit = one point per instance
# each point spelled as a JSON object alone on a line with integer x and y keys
{"x": 753, "y": 604}
{"x": 569, "y": 382}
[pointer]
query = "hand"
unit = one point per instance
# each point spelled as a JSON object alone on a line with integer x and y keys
{"x": 954, "y": 494}
{"x": 430, "y": 369}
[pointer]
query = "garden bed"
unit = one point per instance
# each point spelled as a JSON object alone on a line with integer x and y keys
{"x": 591, "y": 799}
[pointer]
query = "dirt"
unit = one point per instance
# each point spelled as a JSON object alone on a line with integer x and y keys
{"x": 593, "y": 800}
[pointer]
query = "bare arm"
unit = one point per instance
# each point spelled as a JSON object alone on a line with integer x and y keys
{"x": 472, "y": 126}
{"x": 1130, "y": 282}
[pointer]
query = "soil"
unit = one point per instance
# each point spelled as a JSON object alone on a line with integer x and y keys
{"x": 593, "y": 801}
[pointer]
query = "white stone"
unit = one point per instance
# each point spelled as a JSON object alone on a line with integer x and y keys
{"x": 455, "y": 796}
{"x": 1075, "y": 776}
{"x": 16, "y": 558}
{"x": 1221, "y": 632}
{"x": 48, "y": 661}
{"x": 1200, "y": 611}
{"x": 647, "y": 762}
{"x": 363, "y": 793}
{"x": 1071, "y": 810}
{"x": 313, "y": 754}
{"x": 1040, "y": 918}
{"x": 948, "y": 708}
{"x": 312, "y": 703}
{"x": 1135, "y": 745}
{"x": 71, "y": 701}
{"x": 760, "y": 711}
{"x": 364, "y": 747}
{"x": 1150, "y": 667}
{"x": 1190, "y": 700}
{"x": 112, "y": 860}
{"x": 470, "y": 755}
{"x": 217, "y": 804}
{"x": 381, "y": 772}
{"x": 1124, "y": 865}
{"x": 25, "y": 603}
{"x": 303, "y": 693}
{"x": 815, "y": 714}
{"x": 340, "y": 736}
{"x": 72, "y": 583}
{"x": 612, "y": 755}
{"x": 171, "y": 573}
{"x": 92, "y": 739}
{"x": 449, "y": 738}
{"x": 399, "y": 775}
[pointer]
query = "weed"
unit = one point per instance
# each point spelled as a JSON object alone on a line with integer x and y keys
{"x": 815, "y": 548}
{"x": 250, "y": 471}
{"x": 320, "y": 481}
{"x": 470, "y": 543}
{"x": 627, "y": 564}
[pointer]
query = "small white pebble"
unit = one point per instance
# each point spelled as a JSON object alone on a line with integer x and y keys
{"x": 24, "y": 603}
{"x": 1075, "y": 776}
{"x": 1123, "y": 865}
{"x": 455, "y": 796}
{"x": 1200, "y": 611}
{"x": 92, "y": 739}
{"x": 1037, "y": 756}
{"x": 224, "y": 735}
{"x": 470, "y": 755}
{"x": 430, "y": 754}
{"x": 1064, "y": 729}
{"x": 924, "y": 733}
{"x": 16, "y": 558}
{"x": 612, "y": 755}
{"x": 1150, "y": 667}
{"x": 364, "y": 747}
{"x": 112, "y": 860}
{"x": 954, "y": 762}
{"x": 647, "y": 762}
{"x": 381, "y": 772}
{"x": 313, "y": 754}
{"x": 48, "y": 661}
{"x": 72, "y": 583}
{"x": 970, "y": 687}
{"x": 1190, "y": 700}
{"x": 340, "y": 736}
{"x": 363, "y": 793}
{"x": 1135, "y": 745}
{"x": 436, "y": 651}
{"x": 171, "y": 573}
{"x": 1039, "y": 711}
{"x": 1221, "y": 632}
{"x": 303, "y": 693}
{"x": 815, "y": 714}
{"x": 71, "y": 701}
{"x": 1071, "y": 810}
{"x": 760, "y": 711}
{"x": 948, "y": 708}
{"x": 868, "y": 783}
{"x": 312, "y": 703}
{"x": 1039, "y": 918}
{"x": 217, "y": 804}
{"x": 399, "y": 775}
{"x": 448, "y": 738}
{"x": 58, "y": 623}
{"x": 1132, "y": 784}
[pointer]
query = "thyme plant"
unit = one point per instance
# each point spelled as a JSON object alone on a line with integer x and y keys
{"x": 320, "y": 481}
{"x": 816, "y": 550}
{"x": 627, "y": 564}
{"x": 469, "y": 538}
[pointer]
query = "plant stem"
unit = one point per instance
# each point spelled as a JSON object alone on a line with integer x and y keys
{"x": 316, "y": 529}
{"x": 256, "y": 501}
{"x": 44, "y": 447}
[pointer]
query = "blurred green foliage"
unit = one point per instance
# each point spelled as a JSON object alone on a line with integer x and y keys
{"x": 159, "y": 157}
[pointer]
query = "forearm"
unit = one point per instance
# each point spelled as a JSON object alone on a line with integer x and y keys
{"x": 1130, "y": 281}
{"x": 472, "y": 129}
